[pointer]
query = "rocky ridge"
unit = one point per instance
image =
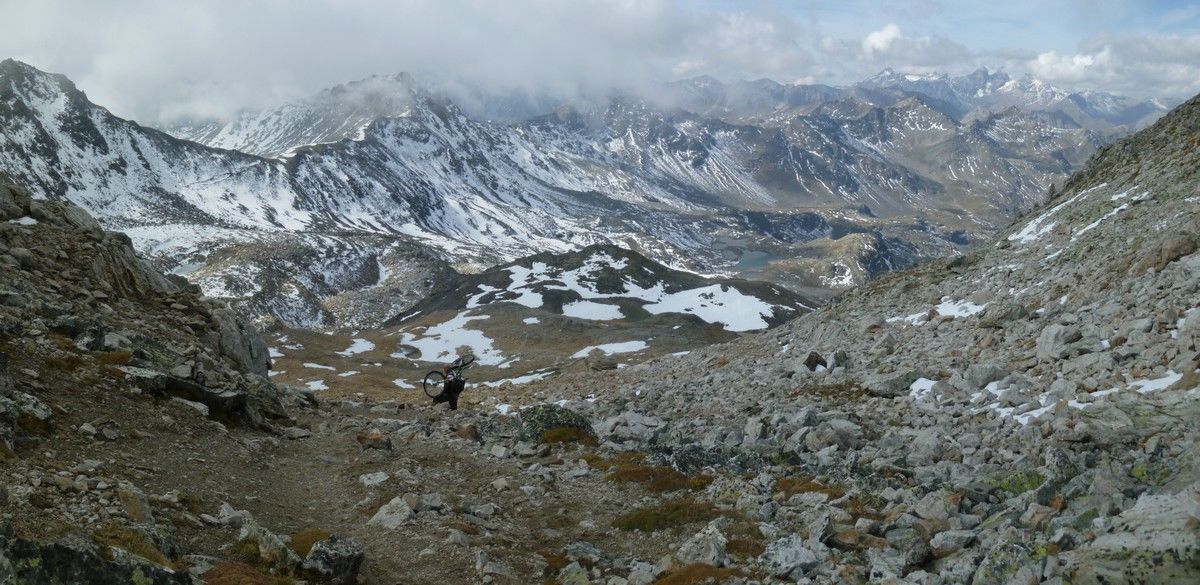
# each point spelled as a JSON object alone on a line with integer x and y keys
{"x": 1026, "y": 413}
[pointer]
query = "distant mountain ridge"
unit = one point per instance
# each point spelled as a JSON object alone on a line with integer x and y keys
{"x": 387, "y": 158}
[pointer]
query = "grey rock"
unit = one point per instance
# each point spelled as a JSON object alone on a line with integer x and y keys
{"x": 788, "y": 557}
{"x": 240, "y": 342}
{"x": 705, "y": 547}
{"x": 392, "y": 514}
{"x": 537, "y": 420}
{"x": 891, "y": 385}
{"x": 337, "y": 559}
{"x": 946, "y": 543}
{"x": 840, "y": 432}
{"x": 1054, "y": 341}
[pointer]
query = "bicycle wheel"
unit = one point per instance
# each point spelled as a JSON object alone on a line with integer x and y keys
{"x": 463, "y": 361}
{"x": 434, "y": 384}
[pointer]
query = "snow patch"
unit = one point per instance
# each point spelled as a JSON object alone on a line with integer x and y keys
{"x": 356, "y": 347}
{"x": 592, "y": 311}
{"x": 612, "y": 348}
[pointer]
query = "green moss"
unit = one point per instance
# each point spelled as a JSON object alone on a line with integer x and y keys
{"x": 1016, "y": 482}
{"x": 1151, "y": 473}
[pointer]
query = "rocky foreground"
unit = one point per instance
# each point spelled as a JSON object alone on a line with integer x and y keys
{"x": 1027, "y": 413}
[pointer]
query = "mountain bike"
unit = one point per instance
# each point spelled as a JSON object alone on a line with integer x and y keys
{"x": 436, "y": 382}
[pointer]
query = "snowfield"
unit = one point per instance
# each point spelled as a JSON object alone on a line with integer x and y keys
{"x": 717, "y": 303}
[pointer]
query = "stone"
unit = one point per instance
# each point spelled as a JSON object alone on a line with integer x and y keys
{"x": 14, "y": 200}
{"x": 200, "y": 408}
{"x": 373, "y": 479}
{"x": 137, "y": 507}
{"x": 979, "y": 375}
{"x": 296, "y": 433}
{"x": 1053, "y": 342}
{"x": 890, "y": 385}
{"x": 25, "y": 561}
{"x": 534, "y": 422}
{"x": 813, "y": 360}
{"x": 840, "y": 432}
{"x": 948, "y": 542}
{"x": 240, "y": 342}
{"x": 392, "y": 514}
{"x": 788, "y": 557}
{"x": 336, "y": 559}
{"x": 1155, "y": 541}
{"x": 911, "y": 545}
{"x": 706, "y": 547}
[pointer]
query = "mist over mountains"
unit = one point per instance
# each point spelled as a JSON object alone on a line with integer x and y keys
{"x": 813, "y": 187}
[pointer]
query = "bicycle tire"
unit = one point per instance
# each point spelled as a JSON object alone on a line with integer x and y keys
{"x": 434, "y": 384}
{"x": 463, "y": 361}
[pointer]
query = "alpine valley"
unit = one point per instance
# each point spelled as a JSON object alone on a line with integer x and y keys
{"x": 346, "y": 209}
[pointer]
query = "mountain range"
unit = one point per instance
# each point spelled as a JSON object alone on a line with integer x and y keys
{"x": 811, "y": 187}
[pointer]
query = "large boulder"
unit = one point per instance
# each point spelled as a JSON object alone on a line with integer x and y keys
{"x": 14, "y": 200}
{"x": 892, "y": 384}
{"x": 76, "y": 561}
{"x": 1055, "y": 340}
{"x": 539, "y": 423}
{"x": 788, "y": 557}
{"x": 706, "y": 547}
{"x": 240, "y": 342}
{"x": 129, "y": 276}
{"x": 335, "y": 559}
{"x": 1155, "y": 541}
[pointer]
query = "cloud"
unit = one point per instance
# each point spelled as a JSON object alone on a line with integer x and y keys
{"x": 159, "y": 60}
{"x": 878, "y": 42}
{"x": 1146, "y": 65}
{"x": 155, "y": 61}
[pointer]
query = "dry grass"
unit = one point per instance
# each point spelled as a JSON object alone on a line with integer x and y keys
{"x": 113, "y": 372}
{"x": 657, "y": 478}
{"x": 744, "y": 540}
{"x": 791, "y": 486}
{"x": 568, "y": 435}
{"x": 604, "y": 464}
{"x": 303, "y": 541}
{"x": 233, "y": 573}
{"x": 118, "y": 357}
{"x": 668, "y": 514}
{"x": 63, "y": 342}
{"x": 131, "y": 542}
{"x": 696, "y": 574}
{"x": 64, "y": 363}
{"x": 555, "y": 562}
{"x": 864, "y": 506}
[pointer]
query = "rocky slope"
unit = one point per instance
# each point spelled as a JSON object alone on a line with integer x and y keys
{"x": 1026, "y": 413}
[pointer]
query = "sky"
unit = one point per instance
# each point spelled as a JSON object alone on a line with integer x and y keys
{"x": 158, "y": 61}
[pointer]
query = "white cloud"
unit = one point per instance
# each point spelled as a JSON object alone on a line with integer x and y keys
{"x": 155, "y": 60}
{"x": 1148, "y": 65}
{"x": 878, "y": 42}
